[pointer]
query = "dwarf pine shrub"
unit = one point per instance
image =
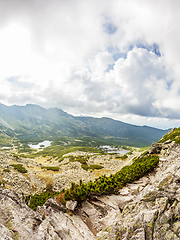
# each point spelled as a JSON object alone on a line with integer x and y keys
{"x": 108, "y": 185}
{"x": 19, "y": 168}
{"x": 102, "y": 185}
{"x": 51, "y": 168}
{"x": 39, "y": 199}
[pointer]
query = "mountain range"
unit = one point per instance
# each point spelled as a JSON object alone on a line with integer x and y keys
{"x": 34, "y": 122}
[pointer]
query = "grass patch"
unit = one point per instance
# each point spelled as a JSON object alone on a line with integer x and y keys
{"x": 123, "y": 157}
{"x": 59, "y": 151}
{"x": 19, "y": 168}
{"x": 95, "y": 166}
{"x": 91, "y": 167}
{"x": 6, "y": 170}
{"x": 51, "y": 168}
{"x": 130, "y": 152}
{"x": 25, "y": 150}
{"x": 82, "y": 159}
{"x": 171, "y": 135}
{"x": 2, "y": 183}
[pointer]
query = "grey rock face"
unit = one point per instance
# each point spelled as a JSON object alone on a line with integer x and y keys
{"x": 18, "y": 221}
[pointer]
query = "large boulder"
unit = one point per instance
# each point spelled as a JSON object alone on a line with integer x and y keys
{"x": 155, "y": 148}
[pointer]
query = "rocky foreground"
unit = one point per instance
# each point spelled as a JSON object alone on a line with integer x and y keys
{"x": 147, "y": 209}
{"x": 38, "y": 177}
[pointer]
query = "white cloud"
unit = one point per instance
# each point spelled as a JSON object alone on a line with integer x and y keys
{"x": 92, "y": 57}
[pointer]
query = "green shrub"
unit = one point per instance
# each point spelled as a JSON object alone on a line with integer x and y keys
{"x": 19, "y": 168}
{"x": 25, "y": 150}
{"x": 6, "y": 170}
{"x": 51, "y": 168}
{"x": 92, "y": 167}
{"x": 123, "y": 157}
{"x": 95, "y": 166}
{"x": 85, "y": 167}
{"x": 173, "y": 135}
{"x": 2, "y": 183}
{"x": 130, "y": 152}
{"x": 39, "y": 199}
{"x": 101, "y": 186}
{"x": 108, "y": 185}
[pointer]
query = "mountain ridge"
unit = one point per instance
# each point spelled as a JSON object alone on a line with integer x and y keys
{"x": 34, "y": 119}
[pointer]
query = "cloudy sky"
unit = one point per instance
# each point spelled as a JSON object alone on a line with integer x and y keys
{"x": 119, "y": 59}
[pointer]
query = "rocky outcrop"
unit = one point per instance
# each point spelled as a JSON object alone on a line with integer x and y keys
{"x": 156, "y": 148}
{"x": 18, "y": 221}
{"x": 148, "y": 209}
{"x": 154, "y": 213}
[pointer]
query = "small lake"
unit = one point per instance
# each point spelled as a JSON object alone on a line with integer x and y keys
{"x": 40, "y": 145}
{"x": 109, "y": 149}
{"x": 6, "y": 147}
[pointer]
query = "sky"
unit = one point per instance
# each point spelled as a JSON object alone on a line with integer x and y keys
{"x": 100, "y": 58}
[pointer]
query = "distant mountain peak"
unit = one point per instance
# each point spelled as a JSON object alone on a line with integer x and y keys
{"x": 36, "y": 121}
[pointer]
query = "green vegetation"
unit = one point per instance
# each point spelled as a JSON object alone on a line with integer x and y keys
{"x": 51, "y": 168}
{"x": 130, "y": 152}
{"x": 2, "y": 183}
{"x": 123, "y": 157}
{"x": 108, "y": 185}
{"x": 19, "y": 168}
{"x": 171, "y": 135}
{"x": 101, "y": 186}
{"x": 59, "y": 151}
{"x": 95, "y": 166}
{"x": 6, "y": 170}
{"x": 25, "y": 150}
{"x": 32, "y": 123}
{"x": 91, "y": 167}
{"x": 39, "y": 199}
{"x": 83, "y": 160}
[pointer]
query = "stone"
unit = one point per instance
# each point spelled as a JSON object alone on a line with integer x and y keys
{"x": 170, "y": 235}
{"x": 139, "y": 234}
{"x": 161, "y": 204}
{"x": 166, "y": 180}
{"x": 134, "y": 189}
{"x": 155, "y": 148}
{"x": 18, "y": 221}
{"x": 5, "y": 234}
{"x": 71, "y": 205}
{"x": 176, "y": 227}
{"x": 124, "y": 191}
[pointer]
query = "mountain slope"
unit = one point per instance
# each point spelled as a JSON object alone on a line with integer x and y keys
{"x": 33, "y": 121}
